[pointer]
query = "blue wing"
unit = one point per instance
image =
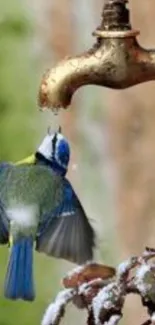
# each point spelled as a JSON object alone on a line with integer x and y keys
{"x": 66, "y": 232}
{"x": 4, "y": 226}
{"x": 4, "y": 222}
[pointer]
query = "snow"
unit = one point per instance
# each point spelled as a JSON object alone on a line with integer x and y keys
{"x": 78, "y": 269}
{"x": 53, "y": 312}
{"x": 126, "y": 266}
{"x": 114, "y": 320}
{"x": 103, "y": 300}
{"x": 85, "y": 287}
{"x": 123, "y": 267}
{"x": 140, "y": 278}
{"x": 143, "y": 270}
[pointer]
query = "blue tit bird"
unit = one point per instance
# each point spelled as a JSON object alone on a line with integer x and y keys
{"x": 38, "y": 206}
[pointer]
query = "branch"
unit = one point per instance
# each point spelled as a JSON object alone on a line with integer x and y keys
{"x": 102, "y": 290}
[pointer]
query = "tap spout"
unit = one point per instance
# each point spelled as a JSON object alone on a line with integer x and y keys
{"x": 116, "y": 61}
{"x": 60, "y": 83}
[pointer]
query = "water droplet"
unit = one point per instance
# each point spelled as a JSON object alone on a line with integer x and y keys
{"x": 43, "y": 108}
{"x": 55, "y": 110}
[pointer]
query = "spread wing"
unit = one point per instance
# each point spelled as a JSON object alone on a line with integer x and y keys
{"x": 4, "y": 222}
{"x": 67, "y": 233}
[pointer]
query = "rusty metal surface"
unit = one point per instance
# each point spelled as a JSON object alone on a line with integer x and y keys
{"x": 116, "y": 61}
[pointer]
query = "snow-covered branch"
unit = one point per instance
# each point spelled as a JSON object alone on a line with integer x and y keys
{"x": 102, "y": 290}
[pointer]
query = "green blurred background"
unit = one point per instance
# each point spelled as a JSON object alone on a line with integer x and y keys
{"x": 20, "y": 128}
{"x": 111, "y": 134}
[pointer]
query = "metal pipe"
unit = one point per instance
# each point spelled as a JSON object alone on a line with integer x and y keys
{"x": 116, "y": 61}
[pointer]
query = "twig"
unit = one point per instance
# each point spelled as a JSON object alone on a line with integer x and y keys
{"x": 102, "y": 290}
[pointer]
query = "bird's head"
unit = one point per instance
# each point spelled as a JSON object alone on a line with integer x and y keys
{"x": 55, "y": 150}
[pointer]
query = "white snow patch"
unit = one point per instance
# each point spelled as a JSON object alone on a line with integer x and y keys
{"x": 54, "y": 309}
{"x": 102, "y": 301}
{"x": 114, "y": 320}
{"x": 85, "y": 287}
{"x": 140, "y": 278}
{"x": 141, "y": 272}
{"x": 78, "y": 269}
{"x": 125, "y": 266}
{"x": 23, "y": 215}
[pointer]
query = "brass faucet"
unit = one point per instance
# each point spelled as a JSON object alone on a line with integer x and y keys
{"x": 116, "y": 61}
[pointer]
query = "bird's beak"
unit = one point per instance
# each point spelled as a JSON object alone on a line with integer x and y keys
{"x": 60, "y": 129}
{"x": 49, "y": 130}
{"x": 27, "y": 160}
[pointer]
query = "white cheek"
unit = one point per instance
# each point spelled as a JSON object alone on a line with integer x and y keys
{"x": 46, "y": 147}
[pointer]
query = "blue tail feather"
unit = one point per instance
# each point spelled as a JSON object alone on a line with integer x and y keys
{"x": 19, "y": 278}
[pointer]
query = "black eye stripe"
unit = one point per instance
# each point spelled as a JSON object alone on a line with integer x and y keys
{"x": 54, "y": 141}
